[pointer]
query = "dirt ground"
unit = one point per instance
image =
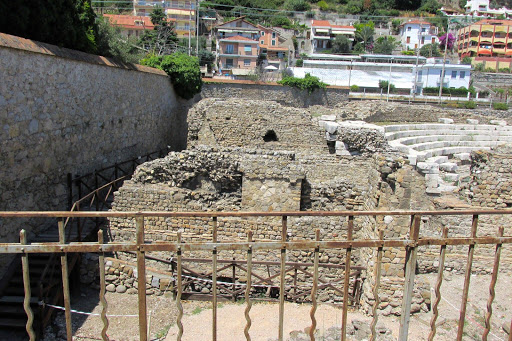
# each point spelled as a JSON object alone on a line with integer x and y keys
{"x": 231, "y": 320}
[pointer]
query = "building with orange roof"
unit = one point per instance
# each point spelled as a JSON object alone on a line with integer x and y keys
{"x": 131, "y": 25}
{"x": 415, "y": 34}
{"x": 323, "y": 33}
{"x": 183, "y": 12}
{"x": 241, "y": 43}
{"x": 487, "y": 42}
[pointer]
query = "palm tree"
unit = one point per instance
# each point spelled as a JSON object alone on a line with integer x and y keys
{"x": 365, "y": 35}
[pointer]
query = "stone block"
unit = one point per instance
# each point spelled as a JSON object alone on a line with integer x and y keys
{"x": 445, "y": 120}
{"x": 428, "y": 167}
{"x": 463, "y": 156}
{"x": 498, "y": 122}
{"x": 471, "y": 121}
{"x": 432, "y": 180}
{"x": 448, "y": 166}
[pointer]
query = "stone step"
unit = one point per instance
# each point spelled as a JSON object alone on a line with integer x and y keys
{"x": 485, "y": 134}
{"x": 432, "y": 138}
{"x": 436, "y": 126}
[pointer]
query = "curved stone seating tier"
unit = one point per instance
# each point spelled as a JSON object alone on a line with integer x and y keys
{"x": 424, "y": 141}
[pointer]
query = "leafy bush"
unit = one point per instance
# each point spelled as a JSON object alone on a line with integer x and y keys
{"x": 500, "y": 106}
{"x": 299, "y": 62}
{"x": 324, "y": 6}
{"x": 489, "y": 69}
{"x": 341, "y": 44}
{"x": 461, "y": 92}
{"x": 468, "y": 105}
{"x": 479, "y": 67}
{"x": 183, "y": 70}
{"x": 309, "y": 83}
{"x": 297, "y": 5}
{"x": 310, "y": 14}
{"x": 504, "y": 70}
{"x": 430, "y": 50}
{"x": 280, "y": 21}
{"x": 466, "y": 60}
{"x": 354, "y": 88}
{"x": 408, "y": 53}
{"x": 384, "y": 85}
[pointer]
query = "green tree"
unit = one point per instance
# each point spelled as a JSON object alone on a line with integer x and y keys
{"x": 466, "y": 60}
{"x": 66, "y": 23}
{"x": 162, "y": 39}
{"x": 341, "y": 44}
{"x": 111, "y": 43}
{"x": 430, "y": 6}
{"x": 430, "y": 50}
{"x": 384, "y": 45}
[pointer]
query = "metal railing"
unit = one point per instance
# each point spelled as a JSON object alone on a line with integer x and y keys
{"x": 410, "y": 244}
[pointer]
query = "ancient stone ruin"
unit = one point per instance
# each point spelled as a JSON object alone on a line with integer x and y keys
{"x": 262, "y": 156}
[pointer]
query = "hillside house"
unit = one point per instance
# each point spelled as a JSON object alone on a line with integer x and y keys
{"x": 181, "y": 11}
{"x": 131, "y": 25}
{"x": 240, "y": 44}
{"x": 323, "y": 33}
{"x": 416, "y": 33}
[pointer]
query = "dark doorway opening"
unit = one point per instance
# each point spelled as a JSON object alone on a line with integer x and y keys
{"x": 270, "y": 136}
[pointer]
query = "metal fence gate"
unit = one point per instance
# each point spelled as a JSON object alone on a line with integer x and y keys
{"x": 410, "y": 244}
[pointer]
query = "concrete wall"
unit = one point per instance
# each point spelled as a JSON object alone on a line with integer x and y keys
{"x": 274, "y": 92}
{"x": 63, "y": 111}
{"x": 492, "y": 79}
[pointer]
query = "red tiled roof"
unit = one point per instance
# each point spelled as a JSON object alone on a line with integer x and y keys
{"x": 239, "y": 38}
{"x": 342, "y": 26}
{"x": 128, "y": 21}
{"x": 420, "y": 22}
{"x": 320, "y": 23}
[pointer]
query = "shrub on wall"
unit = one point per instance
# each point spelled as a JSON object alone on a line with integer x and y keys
{"x": 461, "y": 92}
{"x": 384, "y": 85}
{"x": 184, "y": 72}
{"x": 309, "y": 83}
{"x": 500, "y": 106}
{"x": 354, "y": 88}
{"x": 468, "y": 105}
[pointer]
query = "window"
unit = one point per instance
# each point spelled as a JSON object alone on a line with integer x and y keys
{"x": 273, "y": 34}
{"x": 273, "y": 43}
{"x": 247, "y": 48}
{"x": 420, "y": 76}
{"x": 433, "y": 40}
{"x": 454, "y": 74}
{"x": 462, "y": 74}
{"x": 229, "y": 64}
{"x": 423, "y": 30}
{"x": 422, "y": 40}
{"x": 247, "y": 62}
{"x": 262, "y": 33}
{"x": 408, "y": 28}
{"x": 262, "y": 42}
{"x": 229, "y": 49}
{"x": 408, "y": 40}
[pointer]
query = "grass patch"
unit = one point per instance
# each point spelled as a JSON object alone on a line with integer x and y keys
{"x": 197, "y": 310}
{"x": 163, "y": 332}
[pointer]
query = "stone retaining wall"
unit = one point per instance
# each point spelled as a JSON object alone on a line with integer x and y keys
{"x": 63, "y": 111}
{"x": 285, "y": 95}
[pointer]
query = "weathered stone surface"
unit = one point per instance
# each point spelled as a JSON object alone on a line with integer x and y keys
{"x": 120, "y": 289}
{"x": 111, "y": 288}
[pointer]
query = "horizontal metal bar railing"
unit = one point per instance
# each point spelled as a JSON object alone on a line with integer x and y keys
{"x": 409, "y": 243}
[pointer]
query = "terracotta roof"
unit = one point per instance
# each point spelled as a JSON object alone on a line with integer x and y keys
{"x": 128, "y": 21}
{"x": 419, "y": 22}
{"x": 239, "y": 38}
{"x": 235, "y": 20}
{"x": 320, "y": 23}
{"x": 342, "y": 26}
{"x": 276, "y": 48}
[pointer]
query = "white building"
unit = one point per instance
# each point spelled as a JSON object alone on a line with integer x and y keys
{"x": 323, "y": 33}
{"x": 481, "y": 8}
{"x": 399, "y": 70}
{"x": 414, "y": 34}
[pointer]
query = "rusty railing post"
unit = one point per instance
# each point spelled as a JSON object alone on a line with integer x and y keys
{"x": 314, "y": 289}
{"x": 282, "y": 275}
{"x": 248, "y": 288}
{"x": 410, "y": 272}
{"x": 437, "y": 290}
{"x": 350, "y": 230}
{"x": 214, "y": 281}
{"x": 26, "y": 287}
{"x": 65, "y": 282}
{"x": 377, "y": 272}
{"x": 467, "y": 279}
{"x": 178, "y": 295}
{"x": 141, "y": 274}
{"x": 104, "y": 305}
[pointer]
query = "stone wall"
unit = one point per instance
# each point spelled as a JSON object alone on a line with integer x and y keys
{"x": 285, "y": 95}
{"x": 491, "y": 79}
{"x": 63, "y": 111}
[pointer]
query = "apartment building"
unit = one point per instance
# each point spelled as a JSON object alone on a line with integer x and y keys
{"x": 323, "y": 33}
{"x": 180, "y": 11}
{"x": 131, "y": 26}
{"x": 487, "y": 41}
